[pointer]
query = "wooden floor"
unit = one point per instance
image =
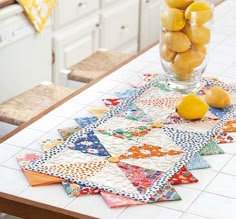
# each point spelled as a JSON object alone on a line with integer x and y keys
{"x": 6, "y": 128}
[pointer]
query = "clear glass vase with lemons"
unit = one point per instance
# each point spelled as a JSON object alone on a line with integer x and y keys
{"x": 185, "y": 41}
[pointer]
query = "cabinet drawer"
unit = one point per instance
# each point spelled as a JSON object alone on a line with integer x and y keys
{"x": 120, "y": 24}
{"x": 69, "y": 10}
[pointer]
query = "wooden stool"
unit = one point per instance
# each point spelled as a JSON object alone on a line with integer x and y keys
{"x": 25, "y": 106}
{"x": 96, "y": 65}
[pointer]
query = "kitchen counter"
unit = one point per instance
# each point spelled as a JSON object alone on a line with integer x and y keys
{"x": 212, "y": 197}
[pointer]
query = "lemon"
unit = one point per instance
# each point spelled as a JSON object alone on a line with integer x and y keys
{"x": 180, "y": 4}
{"x": 217, "y": 97}
{"x": 192, "y": 107}
{"x": 172, "y": 19}
{"x": 167, "y": 54}
{"x": 197, "y": 34}
{"x": 181, "y": 69}
{"x": 198, "y": 12}
{"x": 176, "y": 41}
{"x": 201, "y": 48}
{"x": 185, "y": 62}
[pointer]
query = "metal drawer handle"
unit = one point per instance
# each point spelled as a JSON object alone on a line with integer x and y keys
{"x": 81, "y": 4}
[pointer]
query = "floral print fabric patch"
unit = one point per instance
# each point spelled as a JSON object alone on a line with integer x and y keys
{"x": 67, "y": 132}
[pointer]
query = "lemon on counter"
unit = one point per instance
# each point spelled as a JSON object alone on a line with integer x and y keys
{"x": 217, "y": 97}
{"x": 192, "y": 107}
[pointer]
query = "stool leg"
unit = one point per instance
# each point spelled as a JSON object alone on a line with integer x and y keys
{"x": 63, "y": 77}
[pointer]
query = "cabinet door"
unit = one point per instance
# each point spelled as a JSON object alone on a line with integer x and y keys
{"x": 119, "y": 24}
{"x": 67, "y": 11}
{"x": 149, "y": 22}
{"x": 74, "y": 44}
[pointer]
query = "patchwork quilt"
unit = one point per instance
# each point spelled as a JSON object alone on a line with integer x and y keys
{"x": 139, "y": 148}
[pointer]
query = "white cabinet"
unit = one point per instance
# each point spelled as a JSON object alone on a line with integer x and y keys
{"x": 74, "y": 44}
{"x": 119, "y": 25}
{"x": 68, "y": 11}
{"x": 149, "y": 22}
{"x": 25, "y": 56}
{"x": 83, "y": 26}
{"x": 105, "y": 3}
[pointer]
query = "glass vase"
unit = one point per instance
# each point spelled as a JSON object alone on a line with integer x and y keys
{"x": 186, "y": 29}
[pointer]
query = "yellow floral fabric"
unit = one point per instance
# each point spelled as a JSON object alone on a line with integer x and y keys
{"x": 38, "y": 11}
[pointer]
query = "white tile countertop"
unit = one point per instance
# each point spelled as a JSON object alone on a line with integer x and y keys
{"x": 214, "y": 196}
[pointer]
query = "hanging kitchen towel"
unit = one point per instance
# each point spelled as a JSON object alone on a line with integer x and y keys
{"x": 38, "y": 11}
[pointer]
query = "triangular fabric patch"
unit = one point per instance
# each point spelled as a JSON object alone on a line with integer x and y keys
{"x": 130, "y": 133}
{"x": 78, "y": 170}
{"x": 149, "y": 76}
{"x": 188, "y": 141}
{"x": 40, "y": 179}
{"x": 74, "y": 189}
{"x": 220, "y": 113}
{"x": 67, "y": 132}
{"x": 116, "y": 201}
{"x": 147, "y": 150}
{"x": 230, "y": 126}
{"x": 166, "y": 193}
{"x": 223, "y": 137}
{"x": 125, "y": 94}
{"x": 133, "y": 112}
{"x": 197, "y": 162}
{"x": 163, "y": 87}
{"x": 183, "y": 176}
{"x": 173, "y": 118}
{"x": 48, "y": 144}
{"x": 141, "y": 178}
{"x": 25, "y": 159}
{"x": 90, "y": 144}
{"x": 99, "y": 111}
{"x": 211, "y": 148}
{"x": 110, "y": 102}
{"x": 85, "y": 121}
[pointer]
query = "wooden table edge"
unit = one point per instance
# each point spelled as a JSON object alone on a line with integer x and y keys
{"x": 6, "y": 3}
{"x": 25, "y": 208}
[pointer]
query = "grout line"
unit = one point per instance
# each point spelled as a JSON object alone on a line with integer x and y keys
{"x": 225, "y": 196}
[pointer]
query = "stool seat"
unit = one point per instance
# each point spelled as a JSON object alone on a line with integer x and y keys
{"x": 27, "y": 105}
{"x": 96, "y": 65}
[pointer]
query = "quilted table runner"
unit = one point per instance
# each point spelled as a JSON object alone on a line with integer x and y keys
{"x": 138, "y": 149}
